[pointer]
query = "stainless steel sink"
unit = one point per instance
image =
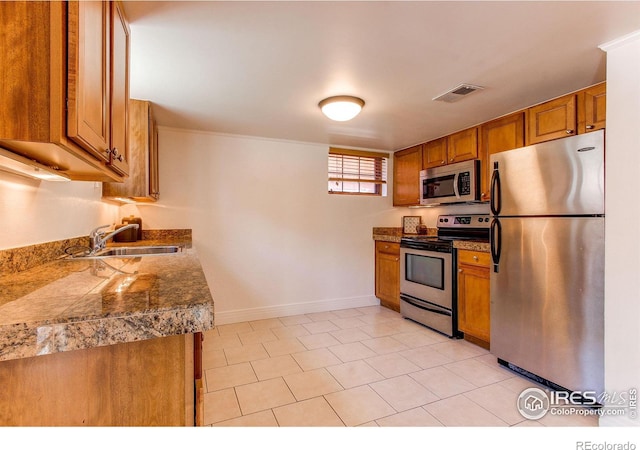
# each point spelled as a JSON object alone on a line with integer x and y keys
{"x": 129, "y": 252}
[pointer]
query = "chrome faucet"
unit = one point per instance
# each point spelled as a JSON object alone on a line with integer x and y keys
{"x": 98, "y": 239}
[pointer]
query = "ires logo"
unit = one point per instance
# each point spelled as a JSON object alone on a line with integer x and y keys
{"x": 534, "y": 403}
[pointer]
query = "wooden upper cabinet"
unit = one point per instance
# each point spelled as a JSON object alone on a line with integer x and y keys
{"x": 59, "y": 104}
{"x": 119, "y": 156}
{"x": 98, "y": 80}
{"x": 463, "y": 145}
{"x": 154, "y": 167}
{"x": 407, "y": 164}
{"x": 499, "y": 135}
{"x": 552, "y": 120}
{"x": 142, "y": 185}
{"x": 434, "y": 153}
{"x": 592, "y": 108}
{"x": 88, "y": 89}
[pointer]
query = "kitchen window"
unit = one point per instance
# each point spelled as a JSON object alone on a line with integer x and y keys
{"x": 357, "y": 172}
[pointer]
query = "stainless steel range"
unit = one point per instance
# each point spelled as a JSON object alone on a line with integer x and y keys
{"x": 427, "y": 283}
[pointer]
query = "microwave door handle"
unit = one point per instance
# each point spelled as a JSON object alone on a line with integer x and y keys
{"x": 456, "y": 189}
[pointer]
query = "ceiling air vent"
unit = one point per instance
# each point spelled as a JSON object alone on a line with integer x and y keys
{"x": 457, "y": 93}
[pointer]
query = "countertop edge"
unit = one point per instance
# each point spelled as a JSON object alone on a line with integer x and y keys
{"x": 63, "y": 337}
{"x": 28, "y": 339}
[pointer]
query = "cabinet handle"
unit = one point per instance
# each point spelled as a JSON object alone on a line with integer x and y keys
{"x": 397, "y": 259}
{"x": 451, "y": 160}
{"x": 459, "y": 270}
{"x": 590, "y": 127}
{"x": 442, "y": 162}
{"x": 475, "y": 258}
{"x": 569, "y": 131}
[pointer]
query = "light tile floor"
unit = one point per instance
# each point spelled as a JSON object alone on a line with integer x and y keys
{"x": 362, "y": 366}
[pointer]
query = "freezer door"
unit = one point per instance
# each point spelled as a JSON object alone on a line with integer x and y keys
{"x": 547, "y": 298}
{"x": 561, "y": 177}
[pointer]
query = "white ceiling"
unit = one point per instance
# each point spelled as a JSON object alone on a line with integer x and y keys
{"x": 260, "y": 68}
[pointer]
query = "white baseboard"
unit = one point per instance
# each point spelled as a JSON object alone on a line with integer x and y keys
{"x": 292, "y": 309}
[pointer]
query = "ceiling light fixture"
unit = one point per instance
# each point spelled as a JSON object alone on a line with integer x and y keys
{"x": 14, "y": 163}
{"x": 341, "y": 107}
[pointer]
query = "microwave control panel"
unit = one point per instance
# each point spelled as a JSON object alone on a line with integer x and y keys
{"x": 464, "y": 183}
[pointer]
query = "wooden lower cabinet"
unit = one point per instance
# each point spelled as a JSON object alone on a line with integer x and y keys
{"x": 474, "y": 318}
{"x": 388, "y": 274}
{"x": 144, "y": 383}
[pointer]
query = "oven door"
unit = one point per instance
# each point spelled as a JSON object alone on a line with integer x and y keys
{"x": 426, "y": 275}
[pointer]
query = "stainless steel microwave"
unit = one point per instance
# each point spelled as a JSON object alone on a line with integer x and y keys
{"x": 453, "y": 183}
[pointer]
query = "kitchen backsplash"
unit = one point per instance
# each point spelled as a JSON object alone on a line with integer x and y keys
{"x": 430, "y": 215}
{"x": 24, "y": 258}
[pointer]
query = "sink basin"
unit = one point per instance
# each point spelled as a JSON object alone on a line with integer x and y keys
{"x": 131, "y": 252}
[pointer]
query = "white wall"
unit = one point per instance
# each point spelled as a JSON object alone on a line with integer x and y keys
{"x": 272, "y": 241}
{"x": 622, "y": 222}
{"x": 33, "y": 212}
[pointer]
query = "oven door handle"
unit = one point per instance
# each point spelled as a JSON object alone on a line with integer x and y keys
{"x": 412, "y": 302}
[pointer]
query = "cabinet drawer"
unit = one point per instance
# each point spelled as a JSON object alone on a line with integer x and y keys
{"x": 391, "y": 248}
{"x": 474, "y": 258}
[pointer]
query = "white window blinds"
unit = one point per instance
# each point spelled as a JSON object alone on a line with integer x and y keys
{"x": 357, "y": 172}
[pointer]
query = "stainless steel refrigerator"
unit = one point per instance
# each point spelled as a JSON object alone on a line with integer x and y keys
{"x": 547, "y": 248}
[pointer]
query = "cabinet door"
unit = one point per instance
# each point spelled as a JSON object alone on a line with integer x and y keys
{"x": 154, "y": 174}
{"x": 406, "y": 176}
{"x": 434, "y": 153}
{"x": 463, "y": 145}
{"x": 119, "y": 157}
{"x": 552, "y": 120}
{"x": 592, "y": 108}
{"x": 142, "y": 183}
{"x": 388, "y": 274}
{"x": 497, "y": 136}
{"x": 88, "y": 114}
{"x": 474, "y": 313}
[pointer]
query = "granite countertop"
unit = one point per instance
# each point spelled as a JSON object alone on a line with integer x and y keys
{"x": 477, "y": 246}
{"x": 70, "y": 304}
{"x": 394, "y": 234}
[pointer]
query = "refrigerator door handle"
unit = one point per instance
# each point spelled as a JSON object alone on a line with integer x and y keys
{"x": 496, "y": 243}
{"x": 496, "y": 190}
